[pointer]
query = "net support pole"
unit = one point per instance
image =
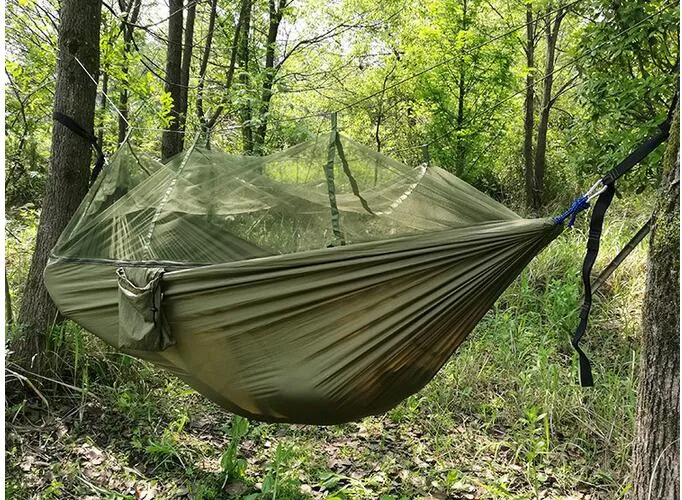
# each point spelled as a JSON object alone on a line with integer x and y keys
{"x": 331, "y": 189}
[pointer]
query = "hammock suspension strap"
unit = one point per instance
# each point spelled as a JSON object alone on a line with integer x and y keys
{"x": 605, "y": 195}
{"x": 77, "y": 129}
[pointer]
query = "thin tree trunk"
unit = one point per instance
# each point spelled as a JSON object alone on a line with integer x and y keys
{"x": 461, "y": 91}
{"x": 123, "y": 109}
{"x": 245, "y": 112}
{"x": 380, "y": 114}
{"x": 67, "y": 183}
{"x": 132, "y": 10}
{"x": 186, "y": 67}
{"x": 103, "y": 108}
{"x": 9, "y": 317}
{"x": 171, "y": 139}
{"x": 552, "y": 34}
{"x": 656, "y": 457}
{"x": 275, "y": 11}
{"x": 377, "y": 135}
{"x": 529, "y": 117}
{"x": 459, "y": 149}
{"x": 203, "y": 66}
{"x": 206, "y": 122}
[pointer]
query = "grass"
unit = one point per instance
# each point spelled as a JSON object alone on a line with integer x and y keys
{"x": 505, "y": 418}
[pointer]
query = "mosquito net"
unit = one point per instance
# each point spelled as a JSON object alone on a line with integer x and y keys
{"x": 315, "y": 285}
{"x": 204, "y": 206}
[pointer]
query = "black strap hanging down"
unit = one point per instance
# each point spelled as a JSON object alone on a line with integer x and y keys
{"x": 596, "y": 224}
{"x": 74, "y": 127}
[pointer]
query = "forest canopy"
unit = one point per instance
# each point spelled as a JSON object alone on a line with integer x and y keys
{"x": 503, "y": 93}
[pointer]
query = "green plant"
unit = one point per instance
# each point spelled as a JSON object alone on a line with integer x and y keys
{"x": 168, "y": 448}
{"x": 231, "y": 463}
{"x": 279, "y": 479}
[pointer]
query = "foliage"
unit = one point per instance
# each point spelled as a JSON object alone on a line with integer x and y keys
{"x": 504, "y": 418}
{"x": 29, "y": 68}
{"x": 234, "y": 467}
{"x": 615, "y": 77}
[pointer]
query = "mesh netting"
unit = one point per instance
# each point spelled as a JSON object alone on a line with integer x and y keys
{"x": 204, "y": 206}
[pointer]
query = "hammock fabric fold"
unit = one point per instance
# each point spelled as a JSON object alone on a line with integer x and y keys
{"x": 317, "y": 285}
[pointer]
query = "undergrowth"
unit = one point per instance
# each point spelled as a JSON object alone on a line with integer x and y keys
{"x": 505, "y": 418}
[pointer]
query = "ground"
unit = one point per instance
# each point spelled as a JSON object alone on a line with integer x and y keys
{"x": 505, "y": 418}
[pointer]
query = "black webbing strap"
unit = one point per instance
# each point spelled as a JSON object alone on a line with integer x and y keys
{"x": 74, "y": 127}
{"x": 638, "y": 155}
{"x": 596, "y": 225}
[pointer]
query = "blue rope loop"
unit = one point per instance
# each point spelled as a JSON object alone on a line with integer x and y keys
{"x": 579, "y": 204}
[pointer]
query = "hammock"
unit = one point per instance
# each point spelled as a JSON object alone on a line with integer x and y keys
{"x": 316, "y": 285}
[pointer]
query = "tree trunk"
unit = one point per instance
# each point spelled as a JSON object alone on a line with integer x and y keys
{"x": 243, "y": 57}
{"x": 123, "y": 108}
{"x": 656, "y": 457}
{"x": 461, "y": 90}
{"x": 171, "y": 139}
{"x": 186, "y": 68}
{"x": 67, "y": 183}
{"x": 132, "y": 11}
{"x": 103, "y": 108}
{"x": 529, "y": 118}
{"x": 269, "y": 77}
{"x": 552, "y": 34}
{"x": 203, "y": 66}
{"x": 9, "y": 317}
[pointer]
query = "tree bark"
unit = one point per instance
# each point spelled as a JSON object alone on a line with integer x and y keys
{"x": 203, "y": 66}
{"x": 529, "y": 117}
{"x": 9, "y": 317}
{"x": 552, "y": 35}
{"x": 245, "y": 111}
{"x": 461, "y": 91}
{"x": 67, "y": 183}
{"x": 656, "y": 457}
{"x": 207, "y": 122}
{"x": 171, "y": 139}
{"x": 186, "y": 67}
{"x": 132, "y": 11}
{"x": 275, "y": 12}
{"x": 103, "y": 108}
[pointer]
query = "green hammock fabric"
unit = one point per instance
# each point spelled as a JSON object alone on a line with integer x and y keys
{"x": 316, "y": 285}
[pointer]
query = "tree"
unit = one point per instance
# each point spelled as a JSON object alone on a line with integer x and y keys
{"x": 67, "y": 183}
{"x": 186, "y": 66}
{"x": 551, "y": 37}
{"x": 29, "y": 98}
{"x": 275, "y": 12}
{"x": 171, "y": 139}
{"x": 656, "y": 458}
{"x": 131, "y": 11}
{"x": 207, "y": 120}
{"x": 461, "y": 93}
{"x": 625, "y": 86}
{"x": 529, "y": 108}
{"x": 243, "y": 55}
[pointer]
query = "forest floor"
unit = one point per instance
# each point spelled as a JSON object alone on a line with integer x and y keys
{"x": 505, "y": 418}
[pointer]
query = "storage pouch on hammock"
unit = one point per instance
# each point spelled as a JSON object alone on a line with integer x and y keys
{"x": 142, "y": 326}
